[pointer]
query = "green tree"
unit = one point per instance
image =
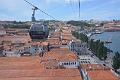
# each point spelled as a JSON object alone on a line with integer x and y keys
{"x": 116, "y": 61}
{"x": 97, "y": 47}
{"x": 83, "y": 37}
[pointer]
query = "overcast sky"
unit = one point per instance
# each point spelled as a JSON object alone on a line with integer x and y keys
{"x": 60, "y": 9}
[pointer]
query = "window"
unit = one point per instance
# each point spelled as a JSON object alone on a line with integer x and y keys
{"x": 64, "y": 63}
{"x": 69, "y": 63}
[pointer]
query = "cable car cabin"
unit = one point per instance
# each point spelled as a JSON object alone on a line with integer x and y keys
{"x": 38, "y": 31}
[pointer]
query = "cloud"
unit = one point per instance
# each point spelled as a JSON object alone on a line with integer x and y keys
{"x": 102, "y": 6}
{"x": 77, "y": 0}
{"x": 65, "y": 1}
{"x": 20, "y": 10}
{"x": 11, "y": 5}
{"x": 14, "y": 10}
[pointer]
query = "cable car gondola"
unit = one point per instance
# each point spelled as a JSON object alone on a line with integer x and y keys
{"x": 38, "y": 31}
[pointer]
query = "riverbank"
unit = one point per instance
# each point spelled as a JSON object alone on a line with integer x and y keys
{"x": 112, "y": 29}
{"x": 113, "y": 37}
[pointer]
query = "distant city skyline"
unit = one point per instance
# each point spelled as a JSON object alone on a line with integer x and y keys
{"x": 19, "y": 10}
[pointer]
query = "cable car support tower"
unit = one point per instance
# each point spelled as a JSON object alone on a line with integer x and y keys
{"x": 35, "y": 9}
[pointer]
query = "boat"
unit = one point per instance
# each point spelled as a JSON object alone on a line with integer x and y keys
{"x": 107, "y": 42}
{"x": 97, "y": 32}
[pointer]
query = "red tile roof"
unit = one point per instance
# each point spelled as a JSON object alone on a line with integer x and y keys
{"x": 30, "y": 68}
{"x": 54, "y": 41}
{"x": 99, "y": 72}
{"x": 101, "y": 75}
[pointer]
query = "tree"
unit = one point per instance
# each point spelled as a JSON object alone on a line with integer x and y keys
{"x": 80, "y": 23}
{"x": 91, "y": 44}
{"x": 101, "y": 24}
{"x": 116, "y": 61}
{"x": 97, "y": 47}
{"x": 83, "y": 37}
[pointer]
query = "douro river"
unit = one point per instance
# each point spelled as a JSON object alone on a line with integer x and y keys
{"x": 113, "y": 37}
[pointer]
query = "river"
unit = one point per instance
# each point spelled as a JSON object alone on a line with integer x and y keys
{"x": 113, "y": 37}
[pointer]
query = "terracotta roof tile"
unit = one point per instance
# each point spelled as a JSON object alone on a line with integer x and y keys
{"x": 99, "y": 72}
{"x": 101, "y": 75}
{"x": 54, "y": 41}
{"x": 61, "y": 54}
{"x": 30, "y": 68}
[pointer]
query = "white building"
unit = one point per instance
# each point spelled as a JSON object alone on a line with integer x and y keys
{"x": 35, "y": 49}
{"x": 28, "y": 49}
{"x": 78, "y": 47}
{"x": 2, "y": 32}
{"x": 70, "y": 64}
{"x": 60, "y": 58}
{"x": 87, "y": 59}
{"x": 10, "y": 52}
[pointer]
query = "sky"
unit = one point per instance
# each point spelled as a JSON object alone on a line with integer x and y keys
{"x": 19, "y": 10}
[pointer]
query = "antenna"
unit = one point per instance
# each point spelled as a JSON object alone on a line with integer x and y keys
{"x": 72, "y": 7}
{"x": 36, "y": 8}
{"x": 79, "y": 9}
